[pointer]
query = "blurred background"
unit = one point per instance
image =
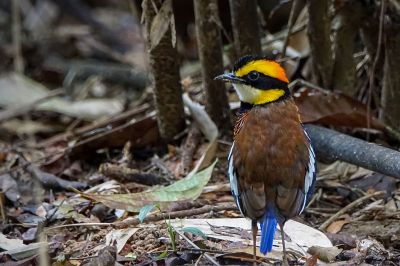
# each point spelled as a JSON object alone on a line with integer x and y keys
{"x": 91, "y": 98}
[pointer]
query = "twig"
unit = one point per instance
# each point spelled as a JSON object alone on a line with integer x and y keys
{"x": 16, "y": 36}
{"x": 202, "y": 250}
{"x": 282, "y": 34}
{"x": 350, "y": 207}
{"x": 13, "y": 112}
{"x": 199, "y": 259}
{"x": 197, "y": 247}
{"x": 76, "y": 225}
{"x": 295, "y": 3}
{"x": 176, "y": 214}
{"x": 375, "y": 62}
{"x": 302, "y": 82}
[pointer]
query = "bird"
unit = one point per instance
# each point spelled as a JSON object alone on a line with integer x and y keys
{"x": 271, "y": 164}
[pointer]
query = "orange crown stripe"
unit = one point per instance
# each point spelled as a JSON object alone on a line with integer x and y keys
{"x": 266, "y": 67}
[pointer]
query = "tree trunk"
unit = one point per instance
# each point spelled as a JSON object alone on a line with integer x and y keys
{"x": 245, "y": 26}
{"x": 210, "y": 51}
{"x": 391, "y": 80}
{"x": 344, "y": 69}
{"x": 165, "y": 70}
{"x": 319, "y": 31}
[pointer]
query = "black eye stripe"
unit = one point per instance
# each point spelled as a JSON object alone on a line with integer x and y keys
{"x": 264, "y": 82}
{"x": 253, "y": 75}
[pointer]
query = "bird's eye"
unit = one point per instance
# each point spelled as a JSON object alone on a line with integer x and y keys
{"x": 253, "y": 75}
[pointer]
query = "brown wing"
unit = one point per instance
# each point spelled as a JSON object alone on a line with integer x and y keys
{"x": 270, "y": 158}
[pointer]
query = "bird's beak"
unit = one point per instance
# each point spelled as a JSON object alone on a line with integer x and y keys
{"x": 229, "y": 77}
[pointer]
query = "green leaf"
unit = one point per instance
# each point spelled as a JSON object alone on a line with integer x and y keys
{"x": 194, "y": 230}
{"x": 131, "y": 255}
{"x": 188, "y": 188}
{"x": 144, "y": 211}
{"x": 162, "y": 255}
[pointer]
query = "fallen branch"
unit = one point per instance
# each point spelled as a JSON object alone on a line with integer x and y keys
{"x": 51, "y": 181}
{"x": 349, "y": 207}
{"x": 82, "y": 69}
{"x": 177, "y": 214}
{"x": 332, "y": 145}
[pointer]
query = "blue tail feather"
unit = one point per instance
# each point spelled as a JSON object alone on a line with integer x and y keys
{"x": 268, "y": 228}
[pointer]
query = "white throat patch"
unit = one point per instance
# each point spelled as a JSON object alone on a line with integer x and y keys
{"x": 246, "y": 93}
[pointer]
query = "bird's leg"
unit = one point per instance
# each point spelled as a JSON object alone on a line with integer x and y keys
{"x": 284, "y": 259}
{"x": 254, "y": 230}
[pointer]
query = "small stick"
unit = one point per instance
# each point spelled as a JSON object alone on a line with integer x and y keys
{"x": 76, "y": 225}
{"x": 254, "y": 230}
{"x": 197, "y": 247}
{"x": 374, "y": 63}
{"x": 16, "y": 36}
{"x": 302, "y": 82}
{"x": 295, "y": 4}
{"x": 176, "y": 214}
{"x": 349, "y": 207}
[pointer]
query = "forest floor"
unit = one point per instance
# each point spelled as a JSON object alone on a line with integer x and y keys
{"x": 85, "y": 180}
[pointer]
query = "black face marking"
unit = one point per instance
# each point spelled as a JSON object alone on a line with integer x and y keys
{"x": 253, "y": 75}
{"x": 256, "y": 79}
{"x": 264, "y": 82}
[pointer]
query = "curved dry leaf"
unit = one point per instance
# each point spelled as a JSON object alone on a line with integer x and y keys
{"x": 336, "y": 226}
{"x": 160, "y": 24}
{"x": 326, "y": 254}
{"x": 333, "y": 109}
{"x": 188, "y": 188}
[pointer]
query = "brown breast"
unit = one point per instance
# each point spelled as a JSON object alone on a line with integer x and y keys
{"x": 270, "y": 157}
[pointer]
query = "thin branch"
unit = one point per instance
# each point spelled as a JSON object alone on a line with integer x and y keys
{"x": 375, "y": 62}
{"x": 214, "y": 262}
{"x": 175, "y": 214}
{"x": 16, "y": 37}
{"x": 295, "y": 4}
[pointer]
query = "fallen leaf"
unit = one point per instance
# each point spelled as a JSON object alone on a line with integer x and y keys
{"x": 332, "y": 108}
{"x": 336, "y": 226}
{"x": 300, "y": 236}
{"x": 188, "y": 188}
{"x": 119, "y": 237}
{"x": 9, "y": 243}
{"x": 106, "y": 257}
{"x": 311, "y": 261}
{"x": 160, "y": 24}
{"x": 194, "y": 230}
{"x": 144, "y": 211}
{"x": 326, "y": 254}
{"x": 28, "y": 127}
{"x": 25, "y": 251}
{"x": 10, "y": 187}
{"x": 18, "y": 90}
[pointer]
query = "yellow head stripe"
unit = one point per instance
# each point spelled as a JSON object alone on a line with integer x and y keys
{"x": 266, "y": 67}
{"x": 267, "y": 96}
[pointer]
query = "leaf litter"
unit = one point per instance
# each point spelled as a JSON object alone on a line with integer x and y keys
{"x": 55, "y": 143}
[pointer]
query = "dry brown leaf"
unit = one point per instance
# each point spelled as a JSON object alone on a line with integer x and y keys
{"x": 161, "y": 23}
{"x": 331, "y": 108}
{"x": 326, "y": 254}
{"x": 336, "y": 226}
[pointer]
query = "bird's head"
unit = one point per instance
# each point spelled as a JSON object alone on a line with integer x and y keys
{"x": 257, "y": 80}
